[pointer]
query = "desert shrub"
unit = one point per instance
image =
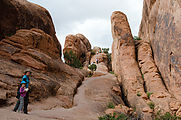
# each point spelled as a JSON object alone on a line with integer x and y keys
{"x": 109, "y": 58}
{"x": 92, "y": 67}
{"x": 111, "y": 105}
{"x": 111, "y": 72}
{"x": 136, "y": 38}
{"x": 149, "y": 94}
{"x": 166, "y": 116}
{"x": 72, "y": 60}
{"x": 105, "y": 50}
{"x": 143, "y": 76}
{"x": 114, "y": 117}
{"x": 92, "y": 52}
{"x": 119, "y": 116}
{"x": 138, "y": 94}
{"x": 151, "y": 105}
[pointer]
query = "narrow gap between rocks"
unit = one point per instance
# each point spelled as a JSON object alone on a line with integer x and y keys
{"x": 124, "y": 98}
{"x": 158, "y": 70}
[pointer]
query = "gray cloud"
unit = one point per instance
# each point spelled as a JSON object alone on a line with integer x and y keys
{"x": 91, "y": 17}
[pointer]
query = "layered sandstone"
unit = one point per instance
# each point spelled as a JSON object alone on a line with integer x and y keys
{"x": 28, "y": 40}
{"x": 36, "y": 50}
{"x": 125, "y": 65}
{"x": 160, "y": 27}
{"x": 162, "y": 99}
{"x": 80, "y": 46}
{"x": 21, "y": 14}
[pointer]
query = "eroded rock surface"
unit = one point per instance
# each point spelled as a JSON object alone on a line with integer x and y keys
{"x": 125, "y": 65}
{"x": 90, "y": 102}
{"x": 161, "y": 27}
{"x": 154, "y": 84}
{"x": 36, "y": 50}
{"x": 21, "y": 14}
{"x": 80, "y": 46}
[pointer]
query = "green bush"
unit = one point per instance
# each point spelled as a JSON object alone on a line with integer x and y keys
{"x": 114, "y": 117}
{"x": 72, "y": 60}
{"x": 149, "y": 94}
{"x": 111, "y": 72}
{"x": 151, "y": 105}
{"x": 93, "y": 52}
{"x": 109, "y": 58}
{"x": 105, "y": 50}
{"x": 111, "y": 105}
{"x": 166, "y": 116}
{"x": 119, "y": 116}
{"x": 143, "y": 76}
{"x": 92, "y": 67}
{"x": 136, "y": 38}
{"x": 90, "y": 75}
{"x": 138, "y": 94}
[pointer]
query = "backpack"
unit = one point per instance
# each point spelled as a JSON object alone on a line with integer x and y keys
{"x": 18, "y": 92}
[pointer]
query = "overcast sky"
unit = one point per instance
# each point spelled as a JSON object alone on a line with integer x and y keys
{"x": 91, "y": 17}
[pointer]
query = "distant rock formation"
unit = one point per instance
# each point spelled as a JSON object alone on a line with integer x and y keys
{"x": 80, "y": 46}
{"x": 125, "y": 65}
{"x": 96, "y": 49}
{"x": 36, "y": 48}
{"x": 160, "y": 27}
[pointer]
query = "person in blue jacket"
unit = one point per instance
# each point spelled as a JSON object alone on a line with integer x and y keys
{"x": 26, "y": 79}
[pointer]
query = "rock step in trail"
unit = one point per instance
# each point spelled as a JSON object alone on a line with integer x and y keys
{"x": 90, "y": 102}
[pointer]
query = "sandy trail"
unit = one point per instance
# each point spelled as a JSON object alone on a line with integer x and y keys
{"x": 90, "y": 101}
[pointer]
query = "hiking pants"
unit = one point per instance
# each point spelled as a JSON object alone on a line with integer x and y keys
{"x": 16, "y": 106}
{"x": 26, "y": 101}
{"x": 21, "y": 105}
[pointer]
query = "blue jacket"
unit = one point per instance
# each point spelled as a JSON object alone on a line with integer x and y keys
{"x": 26, "y": 79}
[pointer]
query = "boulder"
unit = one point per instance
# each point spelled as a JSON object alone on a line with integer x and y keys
{"x": 102, "y": 57}
{"x": 80, "y": 46}
{"x": 96, "y": 49}
{"x": 160, "y": 27}
{"x": 124, "y": 64}
{"x": 21, "y": 14}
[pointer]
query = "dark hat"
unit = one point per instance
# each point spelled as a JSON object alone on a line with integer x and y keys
{"x": 27, "y": 70}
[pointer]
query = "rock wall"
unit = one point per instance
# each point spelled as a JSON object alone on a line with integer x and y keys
{"x": 21, "y": 14}
{"x": 126, "y": 67}
{"x": 160, "y": 27}
{"x": 162, "y": 99}
{"x": 80, "y": 46}
{"x": 37, "y": 49}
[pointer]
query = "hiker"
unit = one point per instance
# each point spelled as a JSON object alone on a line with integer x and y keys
{"x": 25, "y": 78}
{"x": 97, "y": 61}
{"x": 23, "y": 90}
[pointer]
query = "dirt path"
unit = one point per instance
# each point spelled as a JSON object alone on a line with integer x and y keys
{"x": 90, "y": 101}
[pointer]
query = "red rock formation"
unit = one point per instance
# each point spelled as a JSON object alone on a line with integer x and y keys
{"x": 125, "y": 65}
{"x": 160, "y": 26}
{"x": 21, "y": 14}
{"x": 162, "y": 99}
{"x": 80, "y": 46}
{"x": 96, "y": 49}
{"x": 36, "y": 49}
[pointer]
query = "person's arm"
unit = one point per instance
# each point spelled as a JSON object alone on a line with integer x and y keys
{"x": 27, "y": 82}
